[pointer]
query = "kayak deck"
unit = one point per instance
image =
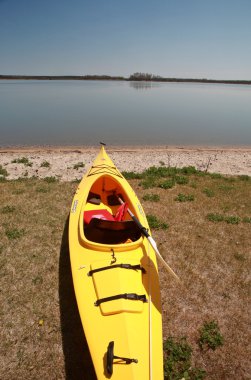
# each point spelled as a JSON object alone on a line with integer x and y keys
{"x": 115, "y": 278}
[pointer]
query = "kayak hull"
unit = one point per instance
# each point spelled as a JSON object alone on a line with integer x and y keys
{"x": 116, "y": 282}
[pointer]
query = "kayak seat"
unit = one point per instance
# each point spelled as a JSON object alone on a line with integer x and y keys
{"x": 111, "y": 232}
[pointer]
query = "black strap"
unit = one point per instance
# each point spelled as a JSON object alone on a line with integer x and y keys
{"x": 124, "y": 266}
{"x": 127, "y": 296}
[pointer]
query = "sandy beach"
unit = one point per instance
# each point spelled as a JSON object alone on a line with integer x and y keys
{"x": 62, "y": 160}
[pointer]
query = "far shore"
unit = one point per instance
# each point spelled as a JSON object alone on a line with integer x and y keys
{"x": 133, "y": 78}
{"x": 63, "y": 161}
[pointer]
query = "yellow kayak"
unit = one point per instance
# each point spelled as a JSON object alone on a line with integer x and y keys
{"x": 115, "y": 276}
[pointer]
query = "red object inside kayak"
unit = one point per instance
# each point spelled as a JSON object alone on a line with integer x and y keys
{"x": 121, "y": 213}
{"x": 99, "y": 214}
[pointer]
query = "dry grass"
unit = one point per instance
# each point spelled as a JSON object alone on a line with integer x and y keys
{"x": 41, "y": 336}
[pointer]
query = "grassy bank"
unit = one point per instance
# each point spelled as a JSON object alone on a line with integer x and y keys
{"x": 202, "y": 226}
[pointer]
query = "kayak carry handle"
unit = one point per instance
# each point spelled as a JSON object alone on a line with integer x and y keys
{"x": 110, "y": 358}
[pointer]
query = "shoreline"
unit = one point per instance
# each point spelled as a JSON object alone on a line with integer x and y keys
{"x": 63, "y": 161}
{"x": 120, "y": 148}
{"x": 136, "y": 77}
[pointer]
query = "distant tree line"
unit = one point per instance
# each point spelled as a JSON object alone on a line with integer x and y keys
{"x": 156, "y": 78}
{"x": 144, "y": 77}
{"x": 138, "y": 76}
{"x": 63, "y": 77}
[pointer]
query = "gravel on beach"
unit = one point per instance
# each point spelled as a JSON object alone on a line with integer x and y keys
{"x": 64, "y": 162}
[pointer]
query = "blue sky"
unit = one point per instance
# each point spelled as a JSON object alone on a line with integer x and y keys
{"x": 172, "y": 38}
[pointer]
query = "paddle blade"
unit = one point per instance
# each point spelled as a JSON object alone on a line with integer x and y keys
{"x": 154, "y": 245}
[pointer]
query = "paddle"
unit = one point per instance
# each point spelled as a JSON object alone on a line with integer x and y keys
{"x": 150, "y": 239}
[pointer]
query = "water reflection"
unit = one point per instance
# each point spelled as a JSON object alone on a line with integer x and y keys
{"x": 143, "y": 85}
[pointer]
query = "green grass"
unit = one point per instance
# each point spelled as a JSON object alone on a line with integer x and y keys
{"x": 131, "y": 175}
{"x": 156, "y": 223}
{"x": 165, "y": 177}
{"x": 226, "y": 188}
{"x": 3, "y": 172}
{"x": 184, "y": 198}
{"x": 45, "y": 164}
{"x": 148, "y": 183}
{"x": 159, "y": 172}
{"x": 178, "y": 353}
{"x": 7, "y": 209}
{"x": 23, "y": 160}
{"x": 51, "y": 179}
{"x": 79, "y": 165}
{"x": 151, "y": 197}
{"x": 167, "y": 184}
{"x": 215, "y": 175}
{"x": 14, "y": 233}
{"x": 178, "y": 361}
{"x": 181, "y": 180}
{"x": 210, "y": 336}
{"x": 211, "y": 259}
{"x": 189, "y": 170}
{"x": 230, "y": 219}
{"x": 208, "y": 192}
{"x": 244, "y": 177}
{"x": 215, "y": 217}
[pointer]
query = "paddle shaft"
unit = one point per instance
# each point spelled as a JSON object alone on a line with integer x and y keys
{"x": 150, "y": 239}
{"x": 142, "y": 228}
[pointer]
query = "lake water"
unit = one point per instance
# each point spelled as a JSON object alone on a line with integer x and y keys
{"x": 123, "y": 113}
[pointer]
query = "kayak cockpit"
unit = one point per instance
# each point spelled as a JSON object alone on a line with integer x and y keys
{"x": 111, "y": 232}
{"x": 105, "y": 219}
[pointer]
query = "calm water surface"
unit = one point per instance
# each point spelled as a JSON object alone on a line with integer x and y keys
{"x": 123, "y": 113}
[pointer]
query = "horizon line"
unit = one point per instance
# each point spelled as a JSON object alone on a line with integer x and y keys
{"x": 133, "y": 77}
